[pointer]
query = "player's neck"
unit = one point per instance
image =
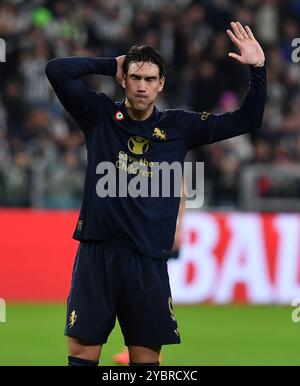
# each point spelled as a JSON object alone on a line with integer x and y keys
{"x": 138, "y": 115}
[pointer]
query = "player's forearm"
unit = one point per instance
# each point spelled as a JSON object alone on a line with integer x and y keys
{"x": 250, "y": 115}
{"x": 76, "y": 66}
{"x": 64, "y": 75}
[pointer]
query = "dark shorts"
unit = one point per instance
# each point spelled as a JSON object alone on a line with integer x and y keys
{"x": 111, "y": 281}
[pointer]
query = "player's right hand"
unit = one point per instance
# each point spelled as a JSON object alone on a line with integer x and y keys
{"x": 120, "y": 72}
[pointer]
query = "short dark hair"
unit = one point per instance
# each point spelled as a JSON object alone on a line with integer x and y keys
{"x": 145, "y": 54}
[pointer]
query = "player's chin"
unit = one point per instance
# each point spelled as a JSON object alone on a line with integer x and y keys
{"x": 141, "y": 106}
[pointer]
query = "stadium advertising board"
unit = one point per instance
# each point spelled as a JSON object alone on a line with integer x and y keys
{"x": 226, "y": 257}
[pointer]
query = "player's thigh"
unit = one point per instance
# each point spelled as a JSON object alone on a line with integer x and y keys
{"x": 145, "y": 310}
{"x": 91, "y": 310}
{"x": 139, "y": 354}
{"x": 83, "y": 350}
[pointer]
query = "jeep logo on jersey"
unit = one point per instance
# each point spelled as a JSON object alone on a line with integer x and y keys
{"x": 160, "y": 134}
{"x": 138, "y": 145}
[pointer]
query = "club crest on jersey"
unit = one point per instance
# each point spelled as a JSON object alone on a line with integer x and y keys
{"x": 159, "y": 133}
{"x": 119, "y": 116}
{"x": 138, "y": 145}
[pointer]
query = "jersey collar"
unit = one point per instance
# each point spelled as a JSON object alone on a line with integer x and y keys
{"x": 149, "y": 122}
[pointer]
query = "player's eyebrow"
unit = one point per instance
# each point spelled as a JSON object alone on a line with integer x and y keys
{"x": 139, "y": 77}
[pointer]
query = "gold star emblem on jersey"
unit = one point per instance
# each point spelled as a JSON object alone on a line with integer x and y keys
{"x": 138, "y": 145}
{"x": 72, "y": 319}
{"x": 159, "y": 133}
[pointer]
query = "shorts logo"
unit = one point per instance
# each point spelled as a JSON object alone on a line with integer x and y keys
{"x": 171, "y": 308}
{"x": 72, "y": 319}
{"x": 79, "y": 225}
{"x": 160, "y": 134}
{"x": 138, "y": 145}
{"x": 177, "y": 332}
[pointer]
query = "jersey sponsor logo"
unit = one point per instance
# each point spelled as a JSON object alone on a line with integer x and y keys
{"x": 119, "y": 116}
{"x": 132, "y": 165}
{"x": 138, "y": 145}
{"x": 72, "y": 319}
{"x": 159, "y": 133}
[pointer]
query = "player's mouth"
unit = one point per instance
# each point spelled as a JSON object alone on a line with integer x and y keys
{"x": 140, "y": 96}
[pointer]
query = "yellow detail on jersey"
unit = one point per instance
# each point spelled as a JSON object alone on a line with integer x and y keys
{"x": 204, "y": 116}
{"x": 138, "y": 145}
{"x": 72, "y": 319}
{"x": 160, "y": 134}
{"x": 171, "y": 308}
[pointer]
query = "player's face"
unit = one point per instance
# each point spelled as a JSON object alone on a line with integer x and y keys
{"x": 142, "y": 85}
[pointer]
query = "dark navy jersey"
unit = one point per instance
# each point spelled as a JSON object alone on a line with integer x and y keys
{"x": 147, "y": 224}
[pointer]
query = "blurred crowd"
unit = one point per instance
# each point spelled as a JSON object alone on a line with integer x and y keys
{"x": 42, "y": 152}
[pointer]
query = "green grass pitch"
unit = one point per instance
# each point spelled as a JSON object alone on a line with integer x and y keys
{"x": 227, "y": 335}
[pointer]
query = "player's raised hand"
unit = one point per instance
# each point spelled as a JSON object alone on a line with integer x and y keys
{"x": 120, "y": 72}
{"x": 250, "y": 50}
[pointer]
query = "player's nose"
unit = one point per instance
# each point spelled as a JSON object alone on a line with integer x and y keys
{"x": 141, "y": 86}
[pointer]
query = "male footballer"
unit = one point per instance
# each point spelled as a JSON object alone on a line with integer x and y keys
{"x": 120, "y": 268}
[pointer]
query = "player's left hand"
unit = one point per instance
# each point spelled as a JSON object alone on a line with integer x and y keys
{"x": 250, "y": 50}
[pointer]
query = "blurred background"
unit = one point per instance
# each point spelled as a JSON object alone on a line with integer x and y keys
{"x": 40, "y": 145}
{"x": 230, "y": 254}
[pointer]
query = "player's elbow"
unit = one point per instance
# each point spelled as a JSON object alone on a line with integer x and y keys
{"x": 251, "y": 125}
{"x": 251, "y": 121}
{"x": 259, "y": 124}
{"x": 52, "y": 68}
{"x": 258, "y": 120}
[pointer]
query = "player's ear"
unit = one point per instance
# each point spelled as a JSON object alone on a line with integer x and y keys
{"x": 161, "y": 83}
{"x": 124, "y": 81}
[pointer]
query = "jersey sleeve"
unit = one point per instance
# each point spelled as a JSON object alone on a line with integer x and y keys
{"x": 205, "y": 128}
{"x": 74, "y": 94}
